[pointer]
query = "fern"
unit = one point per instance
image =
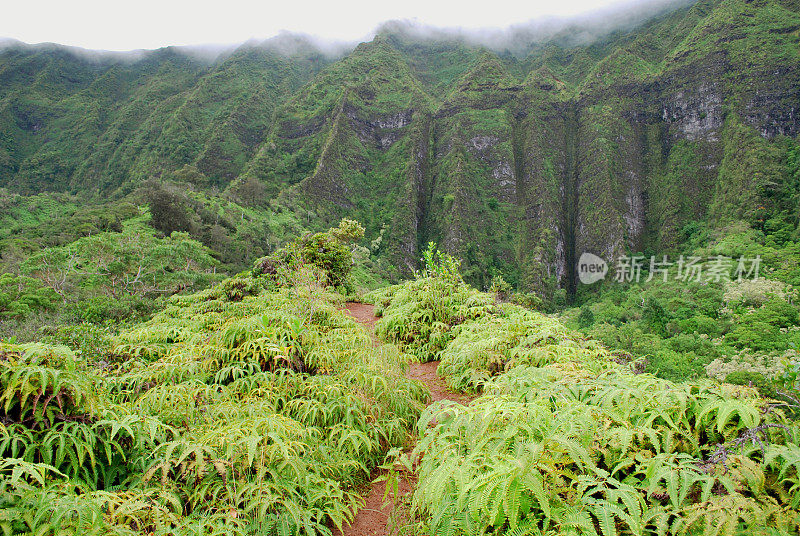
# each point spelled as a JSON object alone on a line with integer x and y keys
{"x": 565, "y": 439}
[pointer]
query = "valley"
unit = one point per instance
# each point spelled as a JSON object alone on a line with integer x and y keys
{"x": 289, "y": 288}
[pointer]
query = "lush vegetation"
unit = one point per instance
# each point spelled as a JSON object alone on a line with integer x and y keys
{"x": 65, "y": 264}
{"x": 572, "y": 449}
{"x": 257, "y": 406}
{"x": 515, "y": 160}
{"x": 254, "y": 406}
{"x": 117, "y": 274}
{"x": 685, "y": 328}
{"x": 571, "y": 438}
{"x": 173, "y": 354}
{"x": 715, "y": 324}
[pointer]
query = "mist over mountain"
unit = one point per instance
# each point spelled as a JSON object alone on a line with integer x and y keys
{"x": 285, "y": 43}
{"x": 573, "y": 30}
{"x": 578, "y": 30}
{"x": 516, "y": 149}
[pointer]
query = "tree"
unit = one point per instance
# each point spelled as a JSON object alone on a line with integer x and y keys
{"x": 348, "y": 231}
{"x": 169, "y": 209}
{"x": 329, "y": 251}
{"x": 250, "y": 191}
{"x": 133, "y": 262}
{"x": 20, "y": 296}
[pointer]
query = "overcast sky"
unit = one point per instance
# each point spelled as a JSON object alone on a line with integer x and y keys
{"x": 126, "y": 25}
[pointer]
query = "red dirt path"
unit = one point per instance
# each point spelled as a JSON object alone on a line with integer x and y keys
{"x": 373, "y": 518}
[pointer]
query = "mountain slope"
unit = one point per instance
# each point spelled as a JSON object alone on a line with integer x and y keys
{"x": 516, "y": 164}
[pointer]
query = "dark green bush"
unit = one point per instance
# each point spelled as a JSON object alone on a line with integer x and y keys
{"x": 778, "y": 312}
{"x": 20, "y": 296}
{"x": 97, "y": 309}
{"x": 103, "y": 308}
{"x": 752, "y": 379}
{"x": 90, "y": 341}
{"x": 586, "y": 317}
{"x": 529, "y": 300}
{"x": 676, "y": 366}
{"x": 700, "y": 324}
{"x": 757, "y": 335}
{"x": 655, "y": 317}
{"x": 684, "y": 342}
{"x": 329, "y": 254}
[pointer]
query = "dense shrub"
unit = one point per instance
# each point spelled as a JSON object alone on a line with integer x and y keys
{"x": 681, "y": 327}
{"x": 245, "y": 408}
{"x": 512, "y": 337}
{"x": 91, "y": 342}
{"x": 570, "y": 451}
{"x": 752, "y": 379}
{"x": 20, "y": 296}
{"x": 419, "y": 316}
{"x": 570, "y": 438}
{"x": 329, "y": 252}
{"x": 756, "y": 335}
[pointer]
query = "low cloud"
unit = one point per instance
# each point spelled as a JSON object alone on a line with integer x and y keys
{"x": 576, "y": 30}
{"x": 518, "y": 38}
{"x": 285, "y": 43}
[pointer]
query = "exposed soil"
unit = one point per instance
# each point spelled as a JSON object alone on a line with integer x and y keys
{"x": 426, "y": 373}
{"x": 374, "y": 518}
{"x": 365, "y": 314}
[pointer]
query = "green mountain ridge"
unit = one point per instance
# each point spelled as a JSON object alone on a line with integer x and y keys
{"x": 517, "y": 164}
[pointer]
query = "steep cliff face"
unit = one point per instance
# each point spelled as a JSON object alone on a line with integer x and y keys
{"x": 473, "y": 206}
{"x": 515, "y": 164}
{"x": 697, "y": 134}
{"x": 365, "y": 125}
{"x": 606, "y": 150}
{"x": 546, "y": 167}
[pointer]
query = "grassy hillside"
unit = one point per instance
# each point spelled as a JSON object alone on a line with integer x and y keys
{"x": 255, "y": 406}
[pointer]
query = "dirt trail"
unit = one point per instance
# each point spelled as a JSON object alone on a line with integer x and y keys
{"x": 373, "y": 519}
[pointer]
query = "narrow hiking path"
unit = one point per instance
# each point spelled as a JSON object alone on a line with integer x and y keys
{"x": 373, "y": 518}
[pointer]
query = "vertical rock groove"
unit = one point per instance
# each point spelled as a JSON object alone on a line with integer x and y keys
{"x": 570, "y": 196}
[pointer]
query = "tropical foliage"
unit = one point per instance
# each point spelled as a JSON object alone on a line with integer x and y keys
{"x": 20, "y": 296}
{"x": 329, "y": 252}
{"x": 687, "y": 328}
{"x": 566, "y": 450}
{"x": 132, "y": 262}
{"x": 145, "y": 389}
{"x": 254, "y": 406}
{"x": 570, "y": 438}
{"x": 516, "y": 156}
